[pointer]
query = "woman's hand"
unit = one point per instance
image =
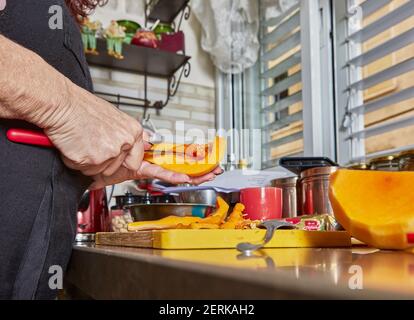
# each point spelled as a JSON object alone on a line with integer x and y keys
{"x": 94, "y": 137}
{"x": 151, "y": 171}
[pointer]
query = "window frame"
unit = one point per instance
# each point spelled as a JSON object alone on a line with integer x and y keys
{"x": 319, "y": 123}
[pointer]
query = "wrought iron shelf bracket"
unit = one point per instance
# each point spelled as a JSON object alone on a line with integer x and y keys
{"x": 149, "y": 62}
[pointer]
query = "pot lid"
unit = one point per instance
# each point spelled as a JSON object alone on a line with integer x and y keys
{"x": 298, "y": 165}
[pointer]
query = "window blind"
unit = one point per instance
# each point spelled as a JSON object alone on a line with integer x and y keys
{"x": 281, "y": 87}
{"x": 379, "y": 116}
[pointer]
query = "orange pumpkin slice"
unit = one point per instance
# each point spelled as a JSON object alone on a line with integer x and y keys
{"x": 193, "y": 160}
{"x": 375, "y": 207}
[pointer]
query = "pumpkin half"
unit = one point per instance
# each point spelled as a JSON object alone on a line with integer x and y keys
{"x": 375, "y": 207}
{"x": 193, "y": 159}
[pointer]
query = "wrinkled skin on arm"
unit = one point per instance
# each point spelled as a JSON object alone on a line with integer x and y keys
{"x": 107, "y": 145}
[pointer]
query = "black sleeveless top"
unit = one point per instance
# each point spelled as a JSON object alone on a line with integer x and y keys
{"x": 27, "y": 23}
{"x": 38, "y": 194}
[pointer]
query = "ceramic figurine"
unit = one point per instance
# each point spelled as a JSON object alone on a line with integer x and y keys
{"x": 89, "y": 31}
{"x": 115, "y": 35}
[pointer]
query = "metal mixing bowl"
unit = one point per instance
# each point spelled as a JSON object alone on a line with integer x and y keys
{"x": 207, "y": 197}
{"x": 156, "y": 211}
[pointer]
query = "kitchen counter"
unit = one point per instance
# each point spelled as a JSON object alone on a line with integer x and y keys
{"x": 102, "y": 272}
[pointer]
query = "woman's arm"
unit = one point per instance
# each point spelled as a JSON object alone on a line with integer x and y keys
{"x": 92, "y": 135}
{"x": 30, "y": 89}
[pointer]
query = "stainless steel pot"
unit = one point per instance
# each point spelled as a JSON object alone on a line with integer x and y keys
{"x": 207, "y": 197}
{"x": 314, "y": 185}
{"x": 156, "y": 211}
{"x": 289, "y": 205}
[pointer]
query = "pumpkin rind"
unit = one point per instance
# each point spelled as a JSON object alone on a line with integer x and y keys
{"x": 375, "y": 207}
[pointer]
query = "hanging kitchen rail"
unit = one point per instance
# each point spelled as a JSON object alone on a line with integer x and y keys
{"x": 119, "y": 100}
{"x": 149, "y": 62}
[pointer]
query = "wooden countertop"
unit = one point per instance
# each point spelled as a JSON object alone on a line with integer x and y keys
{"x": 127, "y": 273}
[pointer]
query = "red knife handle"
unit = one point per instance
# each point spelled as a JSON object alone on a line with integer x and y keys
{"x": 34, "y": 138}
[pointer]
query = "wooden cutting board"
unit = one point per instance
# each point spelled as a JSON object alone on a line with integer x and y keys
{"x": 223, "y": 239}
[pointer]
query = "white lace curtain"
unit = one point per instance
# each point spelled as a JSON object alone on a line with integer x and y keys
{"x": 230, "y": 30}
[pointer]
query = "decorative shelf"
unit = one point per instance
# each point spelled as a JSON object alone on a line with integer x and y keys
{"x": 142, "y": 60}
{"x": 149, "y": 62}
{"x": 167, "y": 10}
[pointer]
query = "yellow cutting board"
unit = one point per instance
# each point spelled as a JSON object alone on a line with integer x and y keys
{"x": 223, "y": 239}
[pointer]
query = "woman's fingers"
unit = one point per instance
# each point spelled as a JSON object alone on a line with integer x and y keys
{"x": 153, "y": 171}
{"x": 121, "y": 175}
{"x": 87, "y": 170}
{"x": 134, "y": 158}
{"x": 114, "y": 165}
{"x": 208, "y": 177}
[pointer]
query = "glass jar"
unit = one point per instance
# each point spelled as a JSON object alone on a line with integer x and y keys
{"x": 389, "y": 163}
{"x": 119, "y": 219}
{"x": 406, "y": 161}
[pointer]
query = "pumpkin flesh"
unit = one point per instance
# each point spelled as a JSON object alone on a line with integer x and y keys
{"x": 193, "y": 160}
{"x": 375, "y": 207}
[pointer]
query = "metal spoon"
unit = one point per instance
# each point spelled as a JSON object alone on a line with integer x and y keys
{"x": 271, "y": 226}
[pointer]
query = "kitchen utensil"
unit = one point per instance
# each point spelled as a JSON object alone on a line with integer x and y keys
{"x": 207, "y": 197}
{"x": 30, "y": 137}
{"x": 128, "y": 199}
{"x": 297, "y": 165}
{"x": 389, "y": 163}
{"x": 224, "y": 239}
{"x": 155, "y": 25}
{"x": 38, "y": 138}
{"x": 204, "y": 196}
{"x": 270, "y": 226}
{"x": 149, "y": 127}
{"x": 93, "y": 215}
{"x": 289, "y": 202}
{"x": 314, "y": 184}
{"x": 156, "y": 211}
{"x": 262, "y": 203}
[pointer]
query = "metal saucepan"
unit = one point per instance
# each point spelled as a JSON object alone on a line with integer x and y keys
{"x": 156, "y": 211}
{"x": 207, "y": 197}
